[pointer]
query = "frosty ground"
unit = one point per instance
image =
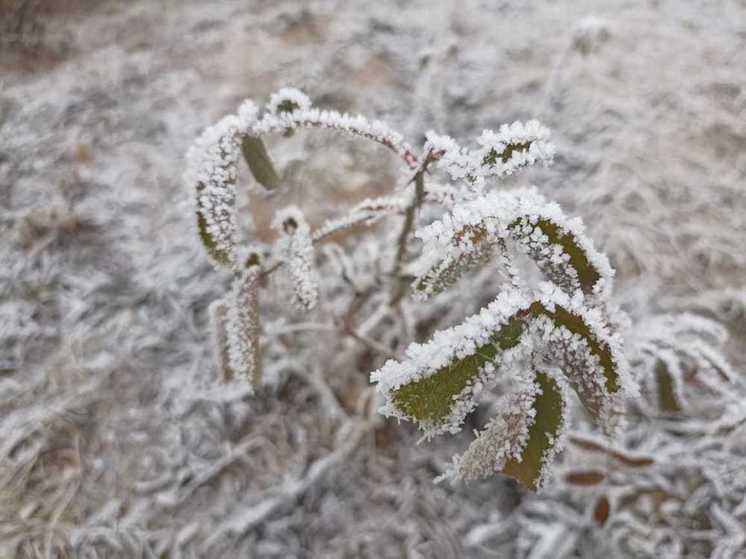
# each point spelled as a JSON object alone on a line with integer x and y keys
{"x": 116, "y": 436}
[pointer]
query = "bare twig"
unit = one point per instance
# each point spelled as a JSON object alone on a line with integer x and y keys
{"x": 419, "y": 196}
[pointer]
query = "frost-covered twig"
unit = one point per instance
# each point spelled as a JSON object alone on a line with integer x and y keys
{"x": 242, "y": 325}
{"x": 409, "y": 217}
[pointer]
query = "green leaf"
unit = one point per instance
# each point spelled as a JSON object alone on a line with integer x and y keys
{"x": 542, "y": 435}
{"x": 259, "y": 162}
{"x": 432, "y": 398}
{"x": 588, "y": 275}
{"x": 441, "y": 277}
{"x": 575, "y": 324}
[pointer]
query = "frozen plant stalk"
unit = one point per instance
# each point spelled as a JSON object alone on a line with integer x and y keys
{"x": 243, "y": 325}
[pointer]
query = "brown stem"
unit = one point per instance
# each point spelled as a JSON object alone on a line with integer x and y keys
{"x": 419, "y": 196}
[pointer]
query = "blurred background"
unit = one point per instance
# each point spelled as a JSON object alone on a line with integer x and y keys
{"x": 116, "y": 440}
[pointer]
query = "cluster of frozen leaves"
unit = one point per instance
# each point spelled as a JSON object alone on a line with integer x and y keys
{"x": 671, "y": 484}
{"x": 676, "y": 354}
{"x": 499, "y": 153}
{"x": 548, "y": 339}
{"x": 542, "y": 340}
{"x": 544, "y": 345}
{"x": 212, "y": 164}
{"x": 524, "y": 218}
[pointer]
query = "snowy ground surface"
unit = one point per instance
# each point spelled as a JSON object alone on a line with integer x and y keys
{"x": 116, "y": 438}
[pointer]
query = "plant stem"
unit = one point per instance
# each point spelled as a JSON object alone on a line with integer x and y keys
{"x": 409, "y": 216}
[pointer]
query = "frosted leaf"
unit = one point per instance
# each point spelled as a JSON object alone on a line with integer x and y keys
{"x": 356, "y": 125}
{"x": 243, "y": 325}
{"x": 436, "y": 384}
{"x": 503, "y": 438}
{"x": 498, "y": 153}
{"x": 365, "y": 213}
{"x": 211, "y": 170}
{"x": 513, "y": 146}
{"x": 468, "y": 234}
{"x": 295, "y": 248}
{"x": 677, "y": 355}
{"x": 522, "y": 440}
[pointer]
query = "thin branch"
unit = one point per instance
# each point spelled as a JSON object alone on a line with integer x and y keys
{"x": 370, "y": 343}
{"x": 419, "y": 196}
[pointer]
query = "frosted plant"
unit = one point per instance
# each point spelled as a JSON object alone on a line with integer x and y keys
{"x": 676, "y": 354}
{"x": 671, "y": 484}
{"x": 537, "y": 341}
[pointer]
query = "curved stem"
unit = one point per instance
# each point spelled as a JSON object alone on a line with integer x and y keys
{"x": 333, "y": 120}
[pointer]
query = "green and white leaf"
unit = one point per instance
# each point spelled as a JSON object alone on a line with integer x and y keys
{"x": 522, "y": 440}
{"x": 212, "y": 168}
{"x": 524, "y": 219}
{"x": 437, "y": 383}
{"x": 260, "y": 164}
